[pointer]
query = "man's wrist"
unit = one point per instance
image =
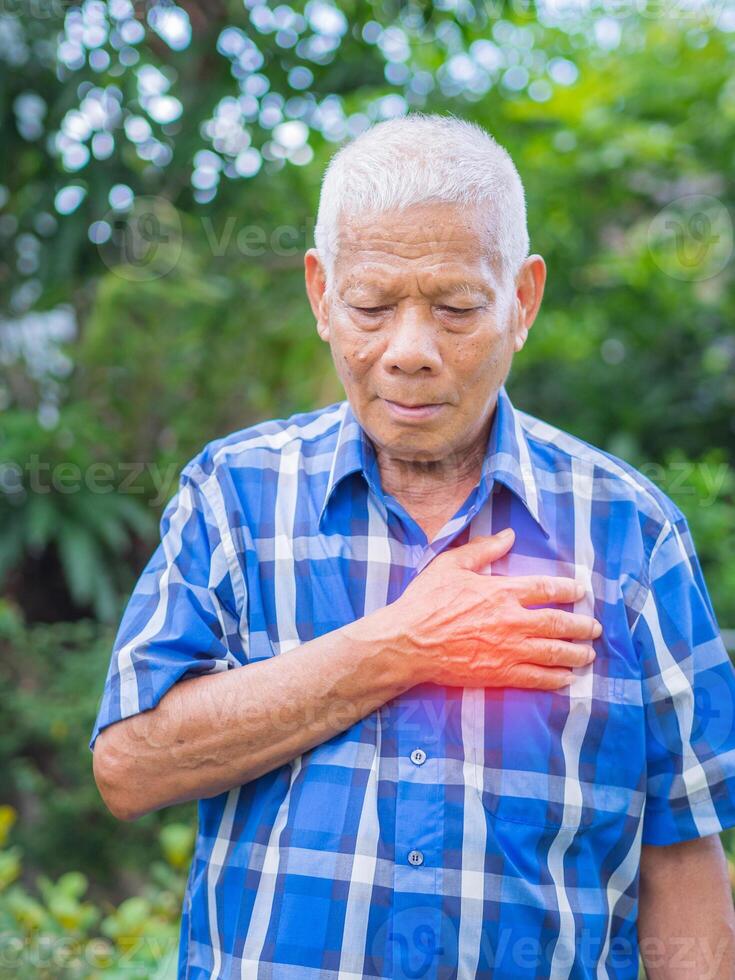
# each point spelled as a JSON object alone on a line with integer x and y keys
{"x": 384, "y": 646}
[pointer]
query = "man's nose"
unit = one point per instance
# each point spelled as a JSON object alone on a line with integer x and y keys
{"x": 411, "y": 343}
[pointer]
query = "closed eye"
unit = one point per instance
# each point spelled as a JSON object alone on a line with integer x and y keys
{"x": 370, "y": 310}
{"x": 459, "y": 309}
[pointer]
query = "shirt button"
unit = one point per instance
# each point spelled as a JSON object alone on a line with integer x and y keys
{"x": 418, "y": 757}
{"x": 415, "y": 857}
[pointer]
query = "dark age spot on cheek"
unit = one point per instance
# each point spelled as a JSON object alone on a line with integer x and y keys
{"x": 352, "y": 362}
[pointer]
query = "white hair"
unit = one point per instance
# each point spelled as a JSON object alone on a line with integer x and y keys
{"x": 418, "y": 159}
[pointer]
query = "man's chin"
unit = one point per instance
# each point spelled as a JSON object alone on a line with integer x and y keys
{"x": 409, "y": 444}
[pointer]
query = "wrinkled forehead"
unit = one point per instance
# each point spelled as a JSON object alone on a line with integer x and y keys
{"x": 432, "y": 235}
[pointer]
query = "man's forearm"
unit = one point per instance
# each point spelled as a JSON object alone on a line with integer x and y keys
{"x": 214, "y": 732}
{"x": 686, "y": 924}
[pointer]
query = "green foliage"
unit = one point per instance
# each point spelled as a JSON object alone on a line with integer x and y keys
{"x": 630, "y": 350}
{"x": 60, "y": 497}
{"x": 55, "y": 932}
{"x": 56, "y": 673}
{"x": 208, "y": 353}
{"x": 705, "y": 492}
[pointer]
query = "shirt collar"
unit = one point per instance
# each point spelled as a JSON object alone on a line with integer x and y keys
{"x": 507, "y": 459}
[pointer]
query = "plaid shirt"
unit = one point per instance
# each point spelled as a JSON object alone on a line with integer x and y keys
{"x": 454, "y": 832}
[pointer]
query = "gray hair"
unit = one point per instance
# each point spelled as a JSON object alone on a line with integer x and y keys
{"x": 422, "y": 158}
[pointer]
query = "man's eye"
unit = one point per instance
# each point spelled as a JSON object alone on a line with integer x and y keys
{"x": 458, "y": 309}
{"x": 370, "y": 310}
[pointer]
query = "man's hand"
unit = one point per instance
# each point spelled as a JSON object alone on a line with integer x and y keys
{"x": 452, "y": 625}
{"x": 467, "y": 629}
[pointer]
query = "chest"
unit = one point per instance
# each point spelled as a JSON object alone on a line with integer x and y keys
{"x": 545, "y": 760}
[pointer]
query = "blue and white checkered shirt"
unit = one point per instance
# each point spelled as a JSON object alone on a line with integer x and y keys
{"x": 454, "y": 832}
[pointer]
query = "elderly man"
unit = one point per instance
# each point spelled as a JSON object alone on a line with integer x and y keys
{"x": 485, "y": 722}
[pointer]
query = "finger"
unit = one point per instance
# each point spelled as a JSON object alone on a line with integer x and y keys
{"x": 556, "y": 653}
{"x": 557, "y": 624}
{"x": 533, "y": 589}
{"x": 541, "y": 678}
{"x": 483, "y": 549}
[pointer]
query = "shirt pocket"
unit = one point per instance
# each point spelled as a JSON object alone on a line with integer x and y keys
{"x": 572, "y": 758}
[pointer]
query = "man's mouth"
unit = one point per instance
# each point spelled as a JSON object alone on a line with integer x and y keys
{"x": 400, "y": 410}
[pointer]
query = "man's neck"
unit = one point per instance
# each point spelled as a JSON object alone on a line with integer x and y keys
{"x": 431, "y": 486}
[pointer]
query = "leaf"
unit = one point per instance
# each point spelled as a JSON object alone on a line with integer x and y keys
{"x": 81, "y": 561}
{"x": 8, "y": 816}
{"x": 40, "y": 519}
{"x": 177, "y": 841}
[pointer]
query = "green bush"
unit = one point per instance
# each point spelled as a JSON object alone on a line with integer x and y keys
{"x": 53, "y": 931}
{"x": 56, "y": 673}
{"x": 61, "y": 503}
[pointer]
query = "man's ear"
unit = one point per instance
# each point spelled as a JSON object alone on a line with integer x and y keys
{"x": 316, "y": 285}
{"x": 529, "y": 290}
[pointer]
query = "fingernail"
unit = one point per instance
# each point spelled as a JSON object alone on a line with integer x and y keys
{"x": 507, "y": 533}
{"x": 598, "y": 629}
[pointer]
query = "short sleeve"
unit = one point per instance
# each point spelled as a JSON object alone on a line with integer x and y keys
{"x": 689, "y": 698}
{"x": 181, "y": 619}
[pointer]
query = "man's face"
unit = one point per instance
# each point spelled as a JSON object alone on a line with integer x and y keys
{"x": 419, "y": 314}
